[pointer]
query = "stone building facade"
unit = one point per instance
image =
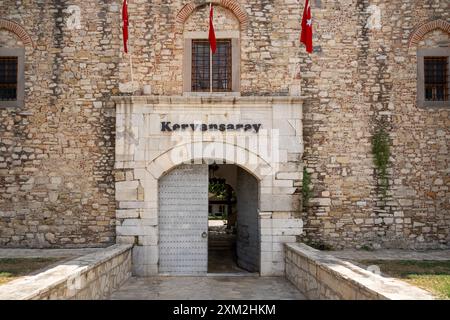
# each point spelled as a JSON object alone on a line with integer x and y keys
{"x": 365, "y": 78}
{"x": 59, "y": 169}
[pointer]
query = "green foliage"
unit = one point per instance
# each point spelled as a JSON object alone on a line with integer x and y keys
{"x": 381, "y": 153}
{"x": 306, "y": 187}
{"x": 430, "y": 275}
{"x": 367, "y": 248}
{"x": 12, "y": 268}
{"x": 220, "y": 189}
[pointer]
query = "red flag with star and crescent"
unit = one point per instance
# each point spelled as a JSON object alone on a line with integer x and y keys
{"x": 307, "y": 32}
{"x": 212, "y": 33}
{"x": 125, "y": 25}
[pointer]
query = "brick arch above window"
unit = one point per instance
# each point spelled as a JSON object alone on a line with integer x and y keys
{"x": 231, "y": 5}
{"x": 18, "y": 30}
{"x": 426, "y": 27}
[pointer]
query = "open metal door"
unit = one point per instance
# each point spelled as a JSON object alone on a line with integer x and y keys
{"x": 248, "y": 238}
{"x": 183, "y": 221}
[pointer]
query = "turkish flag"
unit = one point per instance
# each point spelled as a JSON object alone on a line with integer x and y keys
{"x": 125, "y": 25}
{"x": 307, "y": 32}
{"x": 212, "y": 33}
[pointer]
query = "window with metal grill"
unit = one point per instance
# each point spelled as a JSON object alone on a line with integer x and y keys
{"x": 436, "y": 78}
{"x": 8, "y": 78}
{"x": 211, "y": 73}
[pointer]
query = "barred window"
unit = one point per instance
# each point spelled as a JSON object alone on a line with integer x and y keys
{"x": 12, "y": 78}
{"x": 433, "y": 82}
{"x": 436, "y": 78}
{"x": 200, "y": 65}
{"x": 215, "y": 76}
{"x": 8, "y": 78}
{"x": 221, "y": 70}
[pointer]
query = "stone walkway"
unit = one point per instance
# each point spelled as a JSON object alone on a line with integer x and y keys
{"x": 391, "y": 254}
{"x": 46, "y": 253}
{"x": 207, "y": 288}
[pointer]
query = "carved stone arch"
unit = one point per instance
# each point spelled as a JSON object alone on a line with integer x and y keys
{"x": 231, "y": 5}
{"x": 258, "y": 168}
{"x": 426, "y": 27}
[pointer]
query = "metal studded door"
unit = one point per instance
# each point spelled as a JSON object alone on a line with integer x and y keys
{"x": 183, "y": 221}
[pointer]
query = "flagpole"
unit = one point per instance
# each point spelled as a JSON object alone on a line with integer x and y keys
{"x": 131, "y": 69}
{"x": 210, "y": 59}
{"x": 125, "y": 40}
{"x": 132, "y": 76}
{"x": 210, "y": 71}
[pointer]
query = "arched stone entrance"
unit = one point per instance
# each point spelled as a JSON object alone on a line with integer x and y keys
{"x": 183, "y": 206}
{"x": 260, "y": 135}
{"x": 187, "y": 246}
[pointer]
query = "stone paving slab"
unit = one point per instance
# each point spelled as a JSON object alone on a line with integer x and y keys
{"x": 46, "y": 253}
{"x": 391, "y": 254}
{"x": 207, "y": 288}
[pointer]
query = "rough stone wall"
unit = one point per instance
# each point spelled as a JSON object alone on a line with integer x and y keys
{"x": 57, "y": 152}
{"x": 224, "y": 20}
{"x": 9, "y": 40}
{"x": 363, "y": 77}
{"x": 56, "y": 181}
{"x": 269, "y": 43}
{"x": 56, "y": 160}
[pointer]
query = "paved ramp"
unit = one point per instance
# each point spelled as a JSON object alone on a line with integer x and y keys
{"x": 207, "y": 288}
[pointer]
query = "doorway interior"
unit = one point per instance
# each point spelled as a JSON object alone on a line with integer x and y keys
{"x": 233, "y": 233}
{"x": 208, "y": 221}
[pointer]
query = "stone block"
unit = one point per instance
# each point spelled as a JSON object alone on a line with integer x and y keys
{"x": 148, "y": 213}
{"x": 282, "y": 111}
{"x": 289, "y": 175}
{"x": 265, "y": 223}
{"x": 127, "y": 213}
{"x": 126, "y": 239}
{"x": 266, "y": 247}
{"x": 145, "y": 270}
{"x": 324, "y": 202}
{"x": 287, "y": 232}
{"x": 149, "y": 240}
{"x": 145, "y": 255}
{"x": 283, "y": 183}
{"x": 134, "y": 230}
{"x": 126, "y": 195}
{"x": 269, "y": 203}
{"x": 287, "y": 223}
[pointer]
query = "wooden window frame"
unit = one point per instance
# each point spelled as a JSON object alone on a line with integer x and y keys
{"x": 421, "y": 54}
{"x": 20, "y": 54}
{"x": 235, "y": 58}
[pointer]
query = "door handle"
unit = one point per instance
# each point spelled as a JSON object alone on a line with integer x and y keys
{"x": 204, "y": 235}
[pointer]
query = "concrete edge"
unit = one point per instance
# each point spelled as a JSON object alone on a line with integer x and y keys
{"x": 31, "y": 286}
{"x": 377, "y": 285}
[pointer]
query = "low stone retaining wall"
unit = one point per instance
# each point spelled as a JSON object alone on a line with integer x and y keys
{"x": 321, "y": 276}
{"x": 93, "y": 276}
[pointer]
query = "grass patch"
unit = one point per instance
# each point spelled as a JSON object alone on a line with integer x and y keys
{"x": 13, "y": 268}
{"x": 433, "y": 276}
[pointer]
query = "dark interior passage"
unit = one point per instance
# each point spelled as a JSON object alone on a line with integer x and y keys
{"x": 232, "y": 248}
